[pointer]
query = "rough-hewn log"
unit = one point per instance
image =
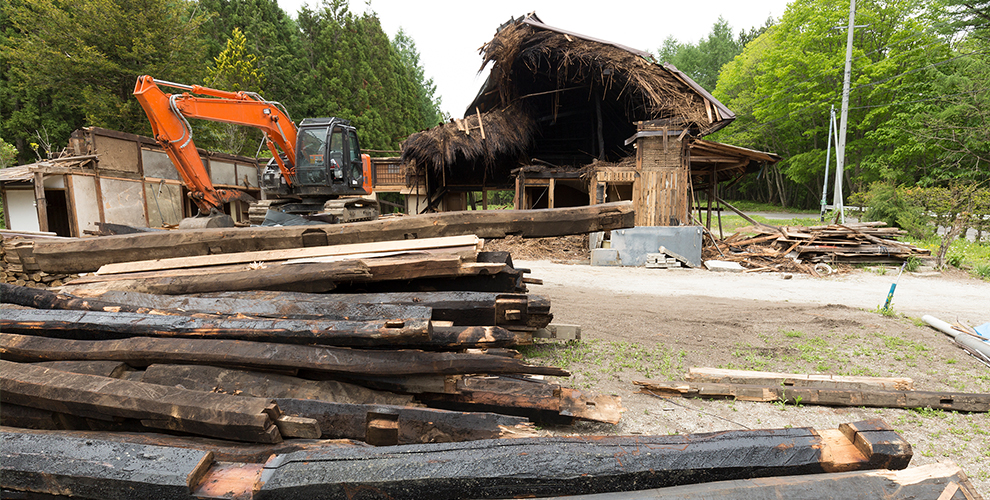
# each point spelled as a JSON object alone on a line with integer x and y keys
{"x": 86, "y": 468}
{"x": 99, "y": 325}
{"x": 194, "y": 412}
{"x": 560, "y": 466}
{"x": 144, "y": 351}
{"x": 223, "y": 450}
{"x": 952, "y": 401}
{"x": 465, "y": 308}
{"x": 267, "y": 385}
{"x": 533, "y": 398}
{"x": 263, "y": 304}
{"x": 88, "y": 254}
{"x": 45, "y": 299}
{"x": 113, "y": 369}
{"x": 408, "y": 425}
{"x": 930, "y": 481}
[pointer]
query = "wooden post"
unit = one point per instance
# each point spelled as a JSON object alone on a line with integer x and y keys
{"x": 40, "y": 201}
{"x": 484, "y": 198}
{"x": 552, "y": 188}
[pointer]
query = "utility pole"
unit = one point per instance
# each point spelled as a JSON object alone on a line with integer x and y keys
{"x": 832, "y": 133}
{"x": 840, "y": 153}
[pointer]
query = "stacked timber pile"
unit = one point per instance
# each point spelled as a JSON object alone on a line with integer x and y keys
{"x": 235, "y": 334}
{"x": 17, "y": 264}
{"x": 798, "y": 248}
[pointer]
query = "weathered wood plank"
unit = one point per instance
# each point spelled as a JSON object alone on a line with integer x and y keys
{"x": 926, "y": 481}
{"x": 718, "y": 375}
{"x": 89, "y": 254}
{"x": 294, "y": 253}
{"x": 78, "y": 467}
{"x": 542, "y": 467}
{"x": 313, "y": 277}
{"x": 408, "y": 425}
{"x": 223, "y": 450}
{"x": 113, "y": 369}
{"x": 144, "y": 351}
{"x": 194, "y": 412}
{"x": 952, "y": 401}
{"x": 529, "y": 397}
{"x": 98, "y": 325}
{"x": 266, "y": 304}
{"x": 266, "y": 385}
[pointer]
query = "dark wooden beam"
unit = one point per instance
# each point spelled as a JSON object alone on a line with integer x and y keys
{"x": 99, "y": 325}
{"x": 144, "y": 351}
{"x": 88, "y": 254}
{"x": 195, "y": 412}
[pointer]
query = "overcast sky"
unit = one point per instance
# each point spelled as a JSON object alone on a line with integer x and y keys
{"x": 448, "y": 33}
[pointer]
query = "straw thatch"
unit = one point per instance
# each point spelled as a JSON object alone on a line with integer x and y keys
{"x": 646, "y": 90}
{"x": 508, "y": 132}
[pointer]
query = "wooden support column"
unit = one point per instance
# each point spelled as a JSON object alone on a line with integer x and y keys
{"x": 40, "y": 201}
{"x": 552, "y": 188}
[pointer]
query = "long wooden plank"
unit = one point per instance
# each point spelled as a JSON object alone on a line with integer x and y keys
{"x": 45, "y": 299}
{"x": 930, "y": 481}
{"x": 293, "y": 253}
{"x": 533, "y": 398}
{"x": 99, "y": 325}
{"x": 223, "y": 450}
{"x": 270, "y": 305}
{"x": 952, "y": 401}
{"x": 719, "y": 375}
{"x": 267, "y": 385}
{"x": 194, "y": 412}
{"x": 383, "y": 425}
{"x": 89, "y": 254}
{"x": 144, "y": 351}
{"x": 313, "y": 277}
{"x": 546, "y": 467}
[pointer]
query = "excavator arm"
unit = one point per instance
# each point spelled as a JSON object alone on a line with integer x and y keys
{"x": 168, "y": 113}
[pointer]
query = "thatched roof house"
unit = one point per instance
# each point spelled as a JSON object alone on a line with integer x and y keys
{"x": 558, "y": 99}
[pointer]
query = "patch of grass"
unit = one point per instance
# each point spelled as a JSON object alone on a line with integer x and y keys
{"x": 792, "y": 334}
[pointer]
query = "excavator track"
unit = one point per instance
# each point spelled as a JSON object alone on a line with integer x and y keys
{"x": 352, "y": 209}
{"x": 259, "y": 209}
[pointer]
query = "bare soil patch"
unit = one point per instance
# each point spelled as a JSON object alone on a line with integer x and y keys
{"x": 653, "y": 324}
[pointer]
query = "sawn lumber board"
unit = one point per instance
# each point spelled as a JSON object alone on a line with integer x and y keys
{"x": 718, "y": 375}
{"x": 144, "y": 351}
{"x": 89, "y": 254}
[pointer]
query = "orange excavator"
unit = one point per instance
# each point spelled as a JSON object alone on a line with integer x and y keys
{"x": 316, "y": 168}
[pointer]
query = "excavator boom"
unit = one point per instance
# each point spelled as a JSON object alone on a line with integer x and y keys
{"x": 168, "y": 113}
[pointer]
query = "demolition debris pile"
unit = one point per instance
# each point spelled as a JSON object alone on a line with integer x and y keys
{"x": 799, "y": 249}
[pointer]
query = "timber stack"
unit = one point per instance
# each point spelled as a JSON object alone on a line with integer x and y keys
{"x": 798, "y": 249}
{"x": 325, "y": 361}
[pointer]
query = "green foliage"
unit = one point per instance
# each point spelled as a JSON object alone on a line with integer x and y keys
{"x": 234, "y": 69}
{"x": 702, "y": 62}
{"x": 74, "y": 64}
{"x": 887, "y": 203}
{"x": 429, "y": 102}
{"x": 905, "y": 67}
{"x": 8, "y": 154}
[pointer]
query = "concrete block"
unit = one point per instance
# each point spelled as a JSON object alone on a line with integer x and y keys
{"x": 559, "y": 331}
{"x": 605, "y": 257}
{"x": 723, "y": 266}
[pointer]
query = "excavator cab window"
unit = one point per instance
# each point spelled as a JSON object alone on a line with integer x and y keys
{"x": 355, "y": 158}
{"x": 337, "y": 154}
{"x": 312, "y": 167}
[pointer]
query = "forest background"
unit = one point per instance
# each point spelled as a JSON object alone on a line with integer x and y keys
{"x": 918, "y": 116}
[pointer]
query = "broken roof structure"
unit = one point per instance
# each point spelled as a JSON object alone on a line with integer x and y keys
{"x": 561, "y": 99}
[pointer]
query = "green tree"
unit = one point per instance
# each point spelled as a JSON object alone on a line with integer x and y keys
{"x": 429, "y": 102}
{"x": 782, "y": 85}
{"x": 702, "y": 62}
{"x": 234, "y": 69}
{"x": 73, "y": 64}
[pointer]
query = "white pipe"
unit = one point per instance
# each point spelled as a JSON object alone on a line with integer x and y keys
{"x": 960, "y": 338}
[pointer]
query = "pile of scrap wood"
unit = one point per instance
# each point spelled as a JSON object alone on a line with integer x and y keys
{"x": 798, "y": 248}
{"x": 17, "y": 265}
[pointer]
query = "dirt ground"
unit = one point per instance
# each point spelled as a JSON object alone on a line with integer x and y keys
{"x": 640, "y": 324}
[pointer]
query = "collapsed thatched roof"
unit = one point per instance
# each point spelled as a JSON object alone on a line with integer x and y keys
{"x": 562, "y": 98}
{"x": 648, "y": 91}
{"x": 503, "y": 133}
